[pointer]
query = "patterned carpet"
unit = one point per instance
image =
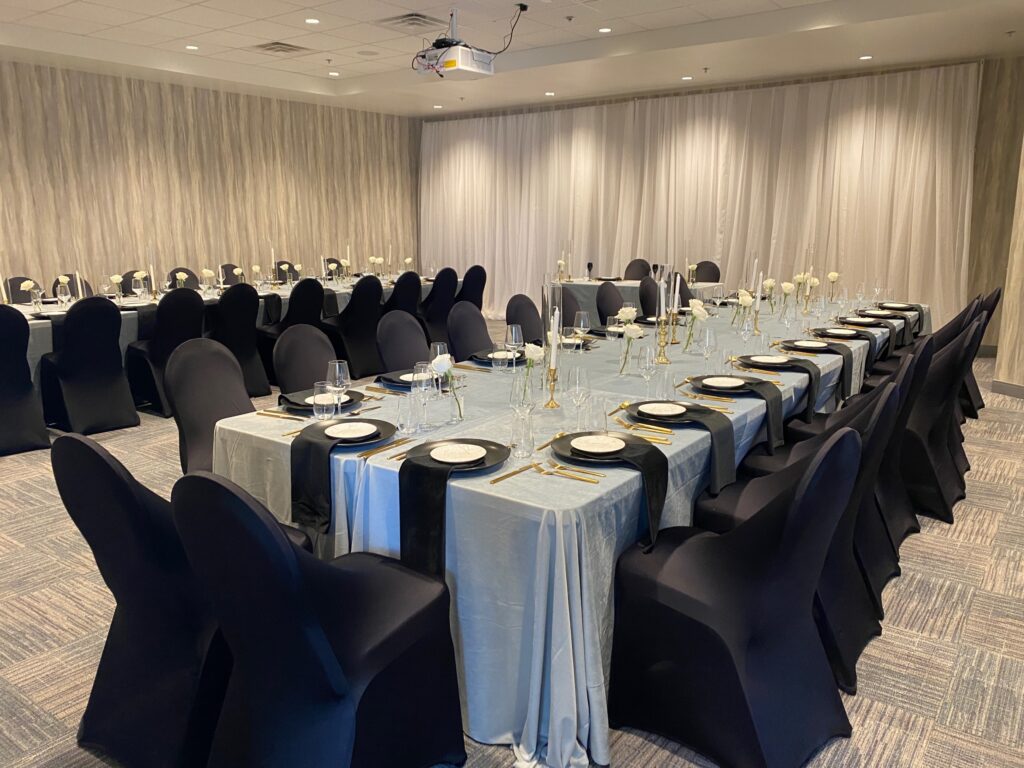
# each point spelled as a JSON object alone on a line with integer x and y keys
{"x": 942, "y": 686}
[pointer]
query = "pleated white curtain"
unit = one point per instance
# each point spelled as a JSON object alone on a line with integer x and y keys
{"x": 869, "y": 176}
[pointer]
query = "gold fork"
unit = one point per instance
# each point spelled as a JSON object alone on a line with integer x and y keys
{"x": 627, "y": 425}
{"x": 580, "y": 470}
{"x": 567, "y": 475}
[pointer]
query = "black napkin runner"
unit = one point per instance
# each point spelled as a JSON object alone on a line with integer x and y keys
{"x": 813, "y": 386}
{"x": 311, "y": 477}
{"x": 271, "y": 308}
{"x": 871, "y": 339}
{"x": 652, "y": 465}
{"x": 915, "y": 327}
{"x": 846, "y": 375}
{"x": 769, "y": 392}
{"x": 422, "y": 492}
{"x": 897, "y": 336}
{"x": 723, "y": 445}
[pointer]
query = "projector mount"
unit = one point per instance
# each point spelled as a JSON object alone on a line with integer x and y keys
{"x": 436, "y": 59}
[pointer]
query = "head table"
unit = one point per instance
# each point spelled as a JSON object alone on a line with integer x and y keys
{"x": 41, "y": 330}
{"x": 530, "y": 561}
{"x": 585, "y": 291}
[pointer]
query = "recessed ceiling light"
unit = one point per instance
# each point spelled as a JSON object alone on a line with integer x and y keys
{"x": 604, "y": 30}
{"x": 687, "y": 77}
{"x": 312, "y": 21}
{"x": 549, "y": 93}
{"x": 866, "y": 58}
{"x": 334, "y": 74}
{"x": 191, "y": 47}
{"x": 438, "y": 106}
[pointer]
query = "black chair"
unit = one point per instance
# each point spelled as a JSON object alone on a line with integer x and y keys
{"x": 714, "y": 641}
{"x": 179, "y": 317}
{"x": 467, "y": 331}
{"x": 285, "y": 270}
{"x": 637, "y": 269}
{"x": 356, "y": 328}
{"x": 337, "y": 265}
{"x": 609, "y": 301}
{"x": 164, "y": 668}
{"x": 521, "y": 311}
{"x": 204, "y": 384}
{"x": 305, "y": 307}
{"x": 21, "y": 412}
{"x": 227, "y": 274}
{"x": 18, "y": 296}
{"x": 191, "y": 279}
{"x": 570, "y": 306}
{"x": 401, "y": 342}
{"x": 708, "y": 272}
{"x": 648, "y": 297}
{"x": 83, "y": 383}
{"x": 439, "y": 302}
{"x": 473, "y": 283}
{"x": 73, "y": 286}
{"x": 301, "y": 357}
{"x": 370, "y": 676}
{"x": 405, "y": 296}
{"x": 946, "y": 334}
{"x": 971, "y": 400}
{"x": 126, "y": 282}
{"x": 237, "y": 313}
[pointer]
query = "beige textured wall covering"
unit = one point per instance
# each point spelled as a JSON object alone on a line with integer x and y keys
{"x": 100, "y": 172}
{"x": 1009, "y": 373}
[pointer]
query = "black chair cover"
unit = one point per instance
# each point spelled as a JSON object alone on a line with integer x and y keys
{"x": 21, "y": 412}
{"x": 72, "y": 286}
{"x": 401, "y": 342}
{"x": 970, "y": 394}
{"x": 708, "y": 272}
{"x": 301, "y": 357}
{"x": 164, "y": 668}
{"x": 521, "y": 311}
{"x": 648, "y": 297}
{"x": 368, "y": 674}
{"x": 570, "y": 306}
{"x": 715, "y": 645}
{"x": 283, "y": 270}
{"x": 473, "y": 283}
{"x": 126, "y": 282}
{"x": 191, "y": 279}
{"x": 204, "y": 384}
{"x": 179, "y": 317}
{"x": 467, "y": 331}
{"x": 18, "y": 296}
{"x": 237, "y": 314}
{"x": 83, "y": 383}
{"x": 609, "y": 301}
{"x": 405, "y": 296}
{"x": 227, "y": 274}
{"x": 439, "y": 302}
{"x": 305, "y": 307}
{"x": 637, "y": 269}
{"x": 356, "y": 328}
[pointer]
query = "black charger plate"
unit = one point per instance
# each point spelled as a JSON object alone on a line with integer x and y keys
{"x": 496, "y": 453}
{"x": 296, "y": 401}
{"x": 385, "y": 430}
{"x": 562, "y": 447}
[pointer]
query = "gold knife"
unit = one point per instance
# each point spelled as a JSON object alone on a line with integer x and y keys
{"x": 566, "y": 475}
{"x": 378, "y": 449}
{"x": 464, "y": 367}
{"x": 513, "y": 473}
{"x": 381, "y": 390}
{"x": 276, "y": 415}
{"x": 542, "y": 446}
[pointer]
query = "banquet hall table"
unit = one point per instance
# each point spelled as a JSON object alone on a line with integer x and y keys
{"x": 585, "y": 292}
{"x": 530, "y": 561}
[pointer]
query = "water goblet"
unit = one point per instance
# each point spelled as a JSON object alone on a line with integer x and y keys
{"x": 645, "y": 364}
{"x": 338, "y": 379}
{"x": 323, "y": 401}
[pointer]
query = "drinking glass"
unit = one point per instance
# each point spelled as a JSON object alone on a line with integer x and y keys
{"x": 338, "y": 379}
{"x": 424, "y": 389}
{"x": 522, "y": 397}
{"x": 323, "y": 401}
{"x": 746, "y": 330}
{"x": 138, "y": 287}
{"x": 499, "y": 361}
{"x": 570, "y": 340}
{"x": 522, "y": 436}
{"x": 860, "y": 293}
{"x": 645, "y": 363}
{"x": 406, "y": 419}
{"x": 579, "y": 391}
{"x": 629, "y": 305}
{"x": 877, "y": 290}
{"x": 581, "y": 324}
{"x": 104, "y": 288}
{"x": 514, "y": 340}
{"x": 707, "y": 344}
{"x": 438, "y": 348}
{"x": 63, "y": 295}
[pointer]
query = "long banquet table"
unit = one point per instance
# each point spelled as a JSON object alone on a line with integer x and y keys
{"x": 531, "y": 561}
{"x": 585, "y": 291}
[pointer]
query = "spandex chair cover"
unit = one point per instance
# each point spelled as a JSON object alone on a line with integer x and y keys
{"x": 341, "y": 663}
{"x": 179, "y": 317}
{"x": 523, "y": 312}
{"x": 14, "y": 292}
{"x": 301, "y": 357}
{"x": 637, "y": 269}
{"x": 21, "y": 412}
{"x": 467, "y": 331}
{"x": 161, "y": 678}
{"x": 435, "y": 308}
{"x": 204, "y": 384}
{"x": 473, "y": 283}
{"x": 73, "y": 286}
{"x": 405, "y": 296}
{"x": 609, "y": 301}
{"x": 648, "y": 297}
{"x": 191, "y": 279}
{"x": 970, "y": 394}
{"x": 237, "y": 311}
{"x": 356, "y": 328}
{"x": 83, "y": 383}
{"x": 708, "y": 272}
{"x": 227, "y": 274}
{"x": 401, "y": 342}
{"x": 305, "y": 307}
{"x": 715, "y": 645}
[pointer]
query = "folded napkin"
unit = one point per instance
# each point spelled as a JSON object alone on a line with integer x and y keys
{"x": 872, "y": 340}
{"x": 914, "y": 327}
{"x": 813, "y": 386}
{"x": 271, "y": 308}
{"x": 295, "y": 400}
{"x": 652, "y": 465}
{"x": 422, "y": 492}
{"x": 769, "y": 392}
{"x": 311, "y": 476}
{"x": 846, "y": 374}
{"x": 897, "y": 335}
{"x": 723, "y": 445}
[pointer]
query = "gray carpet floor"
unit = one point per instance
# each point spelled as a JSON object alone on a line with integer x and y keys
{"x": 942, "y": 686}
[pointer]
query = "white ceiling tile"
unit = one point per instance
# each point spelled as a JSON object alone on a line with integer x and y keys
{"x": 34, "y": 5}
{"x": 243, "y": 57}
{"x": 547, "y": 37}
{"x": 675, "y": 17}
{"x": 368, "y": 33}
{"x": 133, "y": 36}
{"x": 152, "y": 7}
{"x": 205, "y": 49}
{"x": 320, "y": 42}
{"x": 227, "y": 39}
{"x": 165, "y": 26}
{"x": 206, "y": 17}
{"x": 63, "y": 24}
{"x": 14, "y": 14}
{"x": 101, "y": 14}
{"x": 267, "y": 30}
{"x": 256, "y": 9}
{"x": 328, "y": 21}
{"x": 724, "y": 9}
{"x": 407, "y": 44}
{"x": 364, "y": 10}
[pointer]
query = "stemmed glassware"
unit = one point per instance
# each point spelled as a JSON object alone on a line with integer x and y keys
{"x": 63, "y": 295}
{"x": 707, "y": 344}
{"x": 514, "y": 341}
{"x": 860, "y": 294}
{"x": 579, "y": 391}
{"x": 424, "y": 386}
{"x": 645, "y": 363}
{"x": 138, "y": 287}
{"x": 338, "y": 379}
{"x": 581, "y": 326}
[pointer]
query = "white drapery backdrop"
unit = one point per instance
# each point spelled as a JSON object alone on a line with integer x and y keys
{"x": 869, "y": 176}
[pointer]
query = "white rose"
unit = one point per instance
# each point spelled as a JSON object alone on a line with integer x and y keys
{"x": 237, "y": 270}
{"x": 284, "y": 265}
{"x": 815, "y": 282}
{"x": 696, "y": 304}
{"x": 63, "y": 279}
{"x": 769, "y": 284}
{"x": 345, "y": 263}
{"x": 255, "y": 269}
{"x": 441, "y": 364}
{"x": 633, "y": 331}
{"x": 140, "y": 275}
{"x": 27, "y": 285}
{"x": 746, "y": 299}
{"x": 626, "y": 315}
{"x": 561, "y": 263}
{"x": 298, "y": 267}
{"x": 699, "y": 313}
{"x": 833, "y": 277}
{"x": 332, "y": 266}
{"x": 207, "y": 273}
{"x": 408, "y": 260}
{"x": 116, "y": 278}
{"x": 788, "y": 288}
{"x": 533, "y": 352}
{"x": 799, "y": 278}
{"x": 180, "y": 276}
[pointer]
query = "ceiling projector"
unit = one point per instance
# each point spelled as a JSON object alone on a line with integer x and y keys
{"x": 451, "y": 57}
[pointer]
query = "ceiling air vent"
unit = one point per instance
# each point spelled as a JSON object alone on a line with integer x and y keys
{"x": 279, "y": 47}
{"x": 413, "y": 23}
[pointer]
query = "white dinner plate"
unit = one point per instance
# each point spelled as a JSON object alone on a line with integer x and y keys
{"x": 810, "y": 344}
{"x": 613, "y": 330}
{"x": 598, "y": 444}
{"x": 723, "y": 382}
{"x": 502, "y": 354}
{"x": 661, "y": 409}
{"x": 416, "y": 376}
{"x": 327, "y": 399}
{"x": 877, "y": 312}
{"x": 858, "y": 320}
{"x": 895, "y": 305}
{"x": 53, "y": 312}
{"x": 770, "y": 359}
{"x": 351, "y": 430}
{"x": 458, "y": 453}
{"x": 840, "y": 332}
{"x": 652, "y": 319}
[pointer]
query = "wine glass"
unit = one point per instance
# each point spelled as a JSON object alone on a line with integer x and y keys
{"x": 746, "y": 330}
{"x": 579, "y": 391}
{"x": 707, "y": 344}
{"x": 338, "y": 379}
{"x": 514, "y": 340}
{"x": 522, "y": 398}
{"x": 581, "y": 325}
{"x": 138, "y": 287}
{"x": 63, "y": 295}
{"x": 876, "y": 291}
{"x": 646, "y": 365}
{"x": 438, "y": 348}
{"x": 323, "y": 401}
{"x": 423, "y": 388}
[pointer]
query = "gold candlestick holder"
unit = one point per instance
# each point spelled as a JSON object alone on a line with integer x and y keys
{"x": 807, "y": 303}
{"x": 673, "y": 318}
{"x": 662, "y": 358}
{"x": 552, "y": 379}
{"x": 757, "y": 326}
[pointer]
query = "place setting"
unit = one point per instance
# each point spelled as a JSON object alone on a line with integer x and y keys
{"x": 778, "y": 363}
{"x": 719, "y": 385}
{"x": 814, "y": 347}
{"x": 305, "y": 402}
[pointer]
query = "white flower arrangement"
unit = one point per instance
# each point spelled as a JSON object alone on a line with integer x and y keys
{"x": 63, "y": 279}
{"x": 237, "y": 271}
{"x": 630, "y": 332}
{"x": 699, "y": 313}
{"x": 800, "y": 278}
{"x": 533, "y": 353}
{"x": 561, "y": 264}
{"x": 788, "y": 288}
{"x": 745, "y": 299}
{"x": 332, "y": 266}
{"x": 626, "y": 315}
{"x": 408, "y": 260}
{"x": 442, "y": 366}
{"x": 694, "y": 303}
{"x": 297, "y": 267}
{"x": 116, "y": 279}
{"x": 814, "y": 282}
{"x": 206, "y": 272}
{"x": 345, "y": 263}
{"x": 769, "y": 284}
{"x": 140, "y": 275}
{"x": 833, "y": 277}
{"x": 255, "y": 269}
{"x": 27, "y": 285}
{"x": 180, "y": 276}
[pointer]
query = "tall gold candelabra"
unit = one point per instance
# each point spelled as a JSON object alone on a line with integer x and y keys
{"x": 552, "y": 379}
{"x": 662, "y": 358}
